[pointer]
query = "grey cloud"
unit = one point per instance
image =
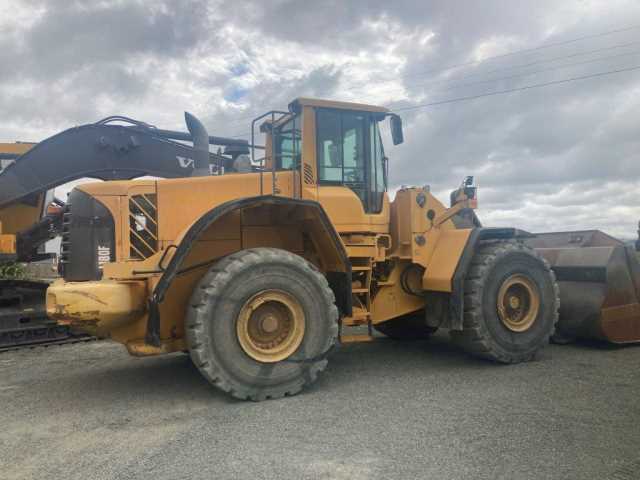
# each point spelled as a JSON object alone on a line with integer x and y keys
{"x": 565, "y": 155}
{"x": 70, "y": 35}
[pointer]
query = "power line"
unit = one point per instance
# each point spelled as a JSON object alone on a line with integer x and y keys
{"x": 428, "y": 73}
{"x": 525, "y": 74}
{"x": 495, "y": 70}
{"x": 533, "y": 49}
{"x": 531, "y": 64}
{"x": 509, "y": 77}
{"x": 501, "y": 92}
{"x": 518, "y": 89}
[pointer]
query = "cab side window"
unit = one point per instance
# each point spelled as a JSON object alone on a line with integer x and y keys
{"x": 288, "y": 148}
{"x": 350, "y": 153}
{"x": 342, "y": 150}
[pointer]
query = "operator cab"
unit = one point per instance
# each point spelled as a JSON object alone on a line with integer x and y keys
{"x": 348, "y": 149}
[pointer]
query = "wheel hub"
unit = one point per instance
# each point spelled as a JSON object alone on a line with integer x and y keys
{"x": 518, "y": 303}
{"x": 270, "y": 326}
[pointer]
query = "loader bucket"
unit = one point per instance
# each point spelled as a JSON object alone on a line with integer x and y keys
{"x": 599, "y": 280}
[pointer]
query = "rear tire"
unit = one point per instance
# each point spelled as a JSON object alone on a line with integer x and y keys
{"x": 260, "y": 323}
{"x": 408, "y": 327}
{"x": 511, "y": 303}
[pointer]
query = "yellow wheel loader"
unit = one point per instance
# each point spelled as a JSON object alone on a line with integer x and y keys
{"x": 259, "y": 270}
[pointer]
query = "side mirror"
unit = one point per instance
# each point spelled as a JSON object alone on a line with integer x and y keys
{"x": 385, "y": 173}
{"x": 396, "y": 129}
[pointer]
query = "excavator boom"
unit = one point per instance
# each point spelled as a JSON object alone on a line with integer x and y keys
{"x": 109, "y": 151}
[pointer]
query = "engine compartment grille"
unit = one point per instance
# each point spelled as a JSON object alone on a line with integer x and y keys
{"x": 65, "y": 243}
{"x": 143, "y": 226}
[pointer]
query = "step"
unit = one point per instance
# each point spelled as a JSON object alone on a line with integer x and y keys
{"x": 358, "y": 338}
{"x": 359, "y": 314}
{"x": 360, "y": 290}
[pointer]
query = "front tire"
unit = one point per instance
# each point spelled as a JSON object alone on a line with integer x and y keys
{"x": 260, "y": 323}
{"x": 511, "y": 303}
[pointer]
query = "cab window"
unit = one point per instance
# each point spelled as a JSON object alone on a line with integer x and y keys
{"x": 287, "y": 139}
{"x": 349, "y": 153}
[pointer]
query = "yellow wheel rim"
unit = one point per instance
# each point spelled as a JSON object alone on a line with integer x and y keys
{"x": 518, "y": 303}
{"x": 270, "y": 326}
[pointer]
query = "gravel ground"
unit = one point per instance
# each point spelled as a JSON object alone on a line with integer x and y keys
{"x": 383, "y": 410}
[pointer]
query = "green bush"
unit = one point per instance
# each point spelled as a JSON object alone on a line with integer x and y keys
{"x": 12, "y": 271}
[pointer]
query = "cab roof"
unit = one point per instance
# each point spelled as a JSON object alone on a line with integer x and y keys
{"x": 316, "y": 102}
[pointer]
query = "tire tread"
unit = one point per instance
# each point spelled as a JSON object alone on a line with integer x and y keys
{"x": 210, "y": 288}
{"x": 475, "y": 338}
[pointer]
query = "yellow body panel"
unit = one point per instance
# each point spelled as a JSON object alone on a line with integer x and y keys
{"x": 318, "y": 103}
{"x": 99, "y": 307}
{"x": 447, "y": 253}
{"x": 21, "y": 216}
{"x": 17, "y": 148}
{"x": 16, "y": 218}
{"x": 7, "y": 243}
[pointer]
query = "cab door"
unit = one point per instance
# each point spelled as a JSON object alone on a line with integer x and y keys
{"x": 351, "y": 179}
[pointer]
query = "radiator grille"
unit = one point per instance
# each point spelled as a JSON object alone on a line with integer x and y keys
{"x": 65, "y": 243}
{"x": 143, "y": 226}
{"x": 308, "y": 174}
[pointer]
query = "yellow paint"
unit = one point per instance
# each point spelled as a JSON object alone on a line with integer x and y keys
{"x": 97, "y": 307}
{"x": 17, "y": 148}
{"x": 7, "y": 244}
{"x": 445, "y": 259}
{"x": 391, "y": 300}
{"x": 317, "y": 103}
{"x": 139, "y": 348}
{"x": 20, "y": 216}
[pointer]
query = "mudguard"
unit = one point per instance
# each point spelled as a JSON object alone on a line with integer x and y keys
{"x": 339, "y": 279}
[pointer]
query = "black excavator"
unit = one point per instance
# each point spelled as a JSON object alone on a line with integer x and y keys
{"x": 115, "y": 148}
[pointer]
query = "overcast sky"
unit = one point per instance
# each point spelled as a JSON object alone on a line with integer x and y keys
{"x": 565, "y": 156}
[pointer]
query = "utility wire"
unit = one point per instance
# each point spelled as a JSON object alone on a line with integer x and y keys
{"x": 520, "y": 75}
{"x": 472, "y": 75}
{"x": 501, "y": 92}
{"x": 525, "y": 65}
{"x": 534, "y": 49}
{"x": 518, "y": 89}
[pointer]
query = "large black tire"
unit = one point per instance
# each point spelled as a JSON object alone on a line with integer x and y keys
{"x": 485, "y": 335}
{"x": 408, "y": 327}
{"x": 213, "y": 314}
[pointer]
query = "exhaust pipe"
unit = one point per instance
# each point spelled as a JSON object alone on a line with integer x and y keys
{"x": 200, "y": 139}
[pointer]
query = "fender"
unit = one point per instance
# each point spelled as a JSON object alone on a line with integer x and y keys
{"x": 340, "y": 281}
{"x": 456, "y": 301}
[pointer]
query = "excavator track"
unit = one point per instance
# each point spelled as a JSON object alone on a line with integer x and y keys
{"x": 45, "y": 337}
{"x": 23, "y": 318}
